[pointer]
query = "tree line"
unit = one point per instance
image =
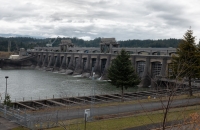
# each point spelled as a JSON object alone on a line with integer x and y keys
{"x": 30, "y": 43}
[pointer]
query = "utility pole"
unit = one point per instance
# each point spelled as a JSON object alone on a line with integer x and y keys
{"x": 6, "y": 90}
{"x": 9, "y": 45}
{"x": 93, "y": 94}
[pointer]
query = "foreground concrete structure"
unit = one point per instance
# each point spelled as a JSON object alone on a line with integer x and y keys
{"x": 149, "y": 63}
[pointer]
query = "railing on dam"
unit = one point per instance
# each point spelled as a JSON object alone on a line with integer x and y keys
{"x": 140, "y": 51}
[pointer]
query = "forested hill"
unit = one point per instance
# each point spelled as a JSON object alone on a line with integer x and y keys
{"x": 151, "y": 43}
{"x": 20, "y": 42}
{"x": 131, "y": 43}
{"x": 27, "y": 42}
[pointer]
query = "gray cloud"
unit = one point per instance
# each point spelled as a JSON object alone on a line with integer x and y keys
{"x": 144, "y": 19}
{"x": 176, "y": 21}
{"x": 165, "y": 6}
{"x": 172, "y": 14}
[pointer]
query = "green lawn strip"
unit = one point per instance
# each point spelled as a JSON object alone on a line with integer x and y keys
{"x": 131, "y": 121}
{"x": 114, "y": 124}
{"x": 20, "y": 128}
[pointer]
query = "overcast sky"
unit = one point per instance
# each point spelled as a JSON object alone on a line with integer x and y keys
{"x": 88, "y": 19}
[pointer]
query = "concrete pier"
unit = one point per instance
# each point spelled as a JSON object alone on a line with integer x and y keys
{"x": 105, "y": 98}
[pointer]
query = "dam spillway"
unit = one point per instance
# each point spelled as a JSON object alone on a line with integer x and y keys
{"x": 74, "y": 63}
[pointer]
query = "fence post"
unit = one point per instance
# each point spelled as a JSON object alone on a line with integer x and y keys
{"x": 5, "y": 111}
{"x": 25, "y": 120}
{"x": 48, "y": 124}
{"x": 31, "y": 124}
{"x": 40, "y": 125}
{"x": 57, "y": 118}
{"x": 85, "y": 121}
{"x": 13, "y": 112}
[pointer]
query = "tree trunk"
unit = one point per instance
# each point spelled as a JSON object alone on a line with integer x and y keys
{"x": 122, "y": 93}
{"x": 167, "y": 108}
{"x": 190, "y": 87}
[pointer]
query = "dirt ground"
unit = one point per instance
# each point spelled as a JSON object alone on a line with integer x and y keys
{"x": 6, "y": 124}
{"x": 5, "y": 54}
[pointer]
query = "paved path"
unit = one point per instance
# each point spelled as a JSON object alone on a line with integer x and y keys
{"x": 7, "y": 125}
{"x": 79, "y": 113}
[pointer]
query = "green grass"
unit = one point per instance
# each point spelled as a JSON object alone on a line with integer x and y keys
{"x": 131, "y": 121}
{"x": 20, "y": 128}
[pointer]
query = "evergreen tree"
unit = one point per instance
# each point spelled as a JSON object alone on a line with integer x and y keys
{"x": 186, "y": 62}
{"x": 121, "y": 73}
{"x": 7, "y": 101}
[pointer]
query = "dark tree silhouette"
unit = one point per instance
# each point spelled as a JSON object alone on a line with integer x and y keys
{"x": 121, "y": 72}
{"x": 186, "y": 62}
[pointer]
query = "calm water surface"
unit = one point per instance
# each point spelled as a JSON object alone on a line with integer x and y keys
{"x": 37, "y": 84}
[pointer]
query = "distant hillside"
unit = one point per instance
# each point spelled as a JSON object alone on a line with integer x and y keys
{"x": 151, "y": 43}
{"x": 21, "y": 42}
{"x": 131, "y": 43}
{"x": 29, "y": 43}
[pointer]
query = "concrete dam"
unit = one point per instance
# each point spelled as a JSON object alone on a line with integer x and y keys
{"x": 149, "y": 63}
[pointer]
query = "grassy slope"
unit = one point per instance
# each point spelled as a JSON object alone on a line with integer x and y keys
{"x": 131, "y": 121}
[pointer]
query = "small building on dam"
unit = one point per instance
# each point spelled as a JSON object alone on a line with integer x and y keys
{"x": 149, "y": 63}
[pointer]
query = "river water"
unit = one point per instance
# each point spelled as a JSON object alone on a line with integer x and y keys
{"x": 38, "y": 84}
